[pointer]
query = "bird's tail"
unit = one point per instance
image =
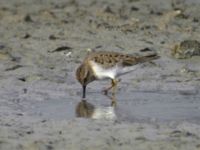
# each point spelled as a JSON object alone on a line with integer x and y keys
{"x": 147, "y": 58}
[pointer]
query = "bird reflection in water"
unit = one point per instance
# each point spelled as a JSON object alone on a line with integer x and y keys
{"x": 84, "y": 109}
{"x": 88, "y": 110}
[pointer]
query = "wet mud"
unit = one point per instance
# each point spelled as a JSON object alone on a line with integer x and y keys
{"x": 43, "y": 42}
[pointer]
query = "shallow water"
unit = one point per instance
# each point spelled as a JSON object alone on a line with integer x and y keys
{"x": 131, "y": 107}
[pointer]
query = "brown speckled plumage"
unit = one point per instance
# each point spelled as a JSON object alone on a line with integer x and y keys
{"x": 110, "y": 59}
{"x": 104, "y": 64}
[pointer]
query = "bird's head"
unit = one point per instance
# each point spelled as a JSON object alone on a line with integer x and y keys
{"x": 84, "y": 76}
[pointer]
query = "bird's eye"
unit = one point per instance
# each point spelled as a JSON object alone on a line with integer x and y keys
{"x": 85, "y": 80}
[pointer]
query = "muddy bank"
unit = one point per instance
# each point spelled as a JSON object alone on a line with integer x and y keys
{"x": 41, "y": 45}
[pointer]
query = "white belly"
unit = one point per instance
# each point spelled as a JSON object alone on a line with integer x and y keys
{"x": 112, "y": 73}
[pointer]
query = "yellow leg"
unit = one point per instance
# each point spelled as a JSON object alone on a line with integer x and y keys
{"x": 113, "y": 87}
{"x": 113, "y": 100}
{"x": 114, "y": 83}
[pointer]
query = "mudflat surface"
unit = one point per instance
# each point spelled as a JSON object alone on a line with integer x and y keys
{"x": 41, "y": 45}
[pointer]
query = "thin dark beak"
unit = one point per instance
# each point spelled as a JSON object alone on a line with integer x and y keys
{"x": 84, "y": 90}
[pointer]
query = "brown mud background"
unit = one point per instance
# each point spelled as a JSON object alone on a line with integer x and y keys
{"x": 43, "y": 42}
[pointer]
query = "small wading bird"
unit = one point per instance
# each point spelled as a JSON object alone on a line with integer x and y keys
{"x": 108, "y": 65}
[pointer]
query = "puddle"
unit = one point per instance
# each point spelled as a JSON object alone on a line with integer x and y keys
{"x": 135, "y": 106}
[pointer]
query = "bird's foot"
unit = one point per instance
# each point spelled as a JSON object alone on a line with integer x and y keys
{"x": 113, "y": 103}
{"x": 105, "y": 91}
